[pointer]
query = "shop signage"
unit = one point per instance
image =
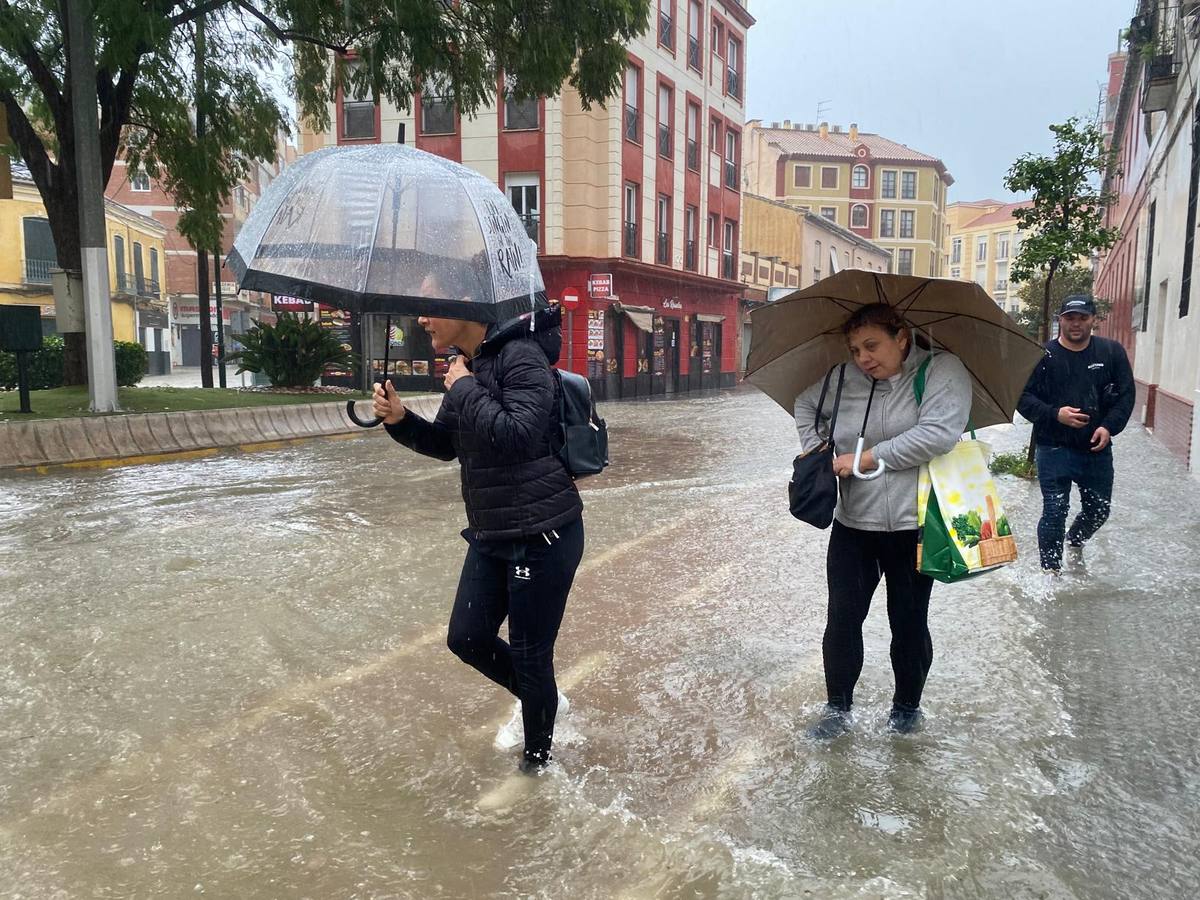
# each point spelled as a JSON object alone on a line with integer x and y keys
{"x": 671, "y": 303}
{"x": 600, "y": 286}
{"x": 595, "y": 329}
{"x": 281, "y": 303}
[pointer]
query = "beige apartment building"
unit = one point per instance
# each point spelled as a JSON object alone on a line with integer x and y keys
{"x": 982, "y": 239}
{"x": 636, "y": 207}
{"x": 873, "y": 187}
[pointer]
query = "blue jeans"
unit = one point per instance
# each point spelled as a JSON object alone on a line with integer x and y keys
{"x": 1058, "y": 469}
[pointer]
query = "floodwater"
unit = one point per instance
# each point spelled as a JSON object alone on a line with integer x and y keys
{"x": 228, "y": 678}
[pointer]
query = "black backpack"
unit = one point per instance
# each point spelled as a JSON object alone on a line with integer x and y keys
{"x": 583, "y": 435}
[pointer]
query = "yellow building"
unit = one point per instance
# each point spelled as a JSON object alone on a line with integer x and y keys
{"x": 135, "y": 259}
{"x": 982, "y": 238}
{"x": 880, "y": 190}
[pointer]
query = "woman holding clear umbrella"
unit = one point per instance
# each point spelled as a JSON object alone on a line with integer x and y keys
{"x": 874, "y": 531}
{"x": 525, "y": 531}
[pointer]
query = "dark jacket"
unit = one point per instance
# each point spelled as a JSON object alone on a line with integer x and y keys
{"x": 1097, "y": 380}
{"x": 499, "y": 425}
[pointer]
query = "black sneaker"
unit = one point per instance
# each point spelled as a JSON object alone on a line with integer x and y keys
{"x": 832, "y": 723}
{"x": 534, "y": 763}
{"x": 904, "y": 721}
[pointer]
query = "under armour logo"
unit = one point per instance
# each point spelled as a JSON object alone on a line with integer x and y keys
{"x": 522, "y": 572}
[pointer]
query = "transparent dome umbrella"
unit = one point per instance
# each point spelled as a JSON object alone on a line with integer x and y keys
{"x": 389, "y": 229}
{"x": 798, "y": 338}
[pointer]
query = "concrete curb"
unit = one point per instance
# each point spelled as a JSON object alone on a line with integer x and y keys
{"x": 45, "y": 445}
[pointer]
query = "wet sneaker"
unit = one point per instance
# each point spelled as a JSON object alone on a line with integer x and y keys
{"x": 905, "y": 721}
{"x": 512, "y": 732}
{"x": 1051, "y": 579}
{"x": 1076, "y": 558}
{"x": 830, "y": 724}
{"x": 534, "y": 764}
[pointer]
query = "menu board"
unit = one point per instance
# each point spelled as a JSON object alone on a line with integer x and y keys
{"x": 338, "y": 323}
{"x": 595, "y": 329}
{"x": 660, "y": 353}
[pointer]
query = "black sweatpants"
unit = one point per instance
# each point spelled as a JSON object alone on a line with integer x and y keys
{"x": 527, "y": 581}
{"x": 855, "y": 562}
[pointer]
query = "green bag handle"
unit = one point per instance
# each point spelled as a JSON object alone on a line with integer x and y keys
{"x": 919, "y": 390}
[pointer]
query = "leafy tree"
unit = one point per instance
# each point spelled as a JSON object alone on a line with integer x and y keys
{"x": 146, "y": 79}
{"x": 1068, "y": 281}
{"x": 292, "y": 353}
{"x": 1065, "y": 220}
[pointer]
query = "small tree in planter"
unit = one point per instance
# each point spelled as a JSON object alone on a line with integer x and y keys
{"x": 291, "y": 353}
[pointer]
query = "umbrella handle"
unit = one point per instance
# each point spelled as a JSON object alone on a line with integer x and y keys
{"x": 858, "y": 473}
{"x": 361, "y": 423}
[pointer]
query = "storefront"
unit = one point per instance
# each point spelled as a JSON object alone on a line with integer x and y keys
{"x": 637, "y": 333}
{"x": 237, "y": 317}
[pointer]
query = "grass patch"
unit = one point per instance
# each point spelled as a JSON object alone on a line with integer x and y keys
{"x": 73, "y": 401}
{"x": 1013, "y": 464}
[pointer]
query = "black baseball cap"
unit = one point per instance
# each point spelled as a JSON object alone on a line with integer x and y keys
{"x": 1078, "y": 303}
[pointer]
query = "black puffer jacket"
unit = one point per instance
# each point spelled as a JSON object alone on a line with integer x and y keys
{"x": 499, "y": 425}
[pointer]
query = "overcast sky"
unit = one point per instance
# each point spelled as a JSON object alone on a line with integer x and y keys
{"x": 973, "y": 83}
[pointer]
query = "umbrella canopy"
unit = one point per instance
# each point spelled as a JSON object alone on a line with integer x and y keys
{"x": 796, "y": 339}
{"x": 389, "y": 229}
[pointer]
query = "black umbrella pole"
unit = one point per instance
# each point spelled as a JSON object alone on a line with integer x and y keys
{"x": 351, "y": 412}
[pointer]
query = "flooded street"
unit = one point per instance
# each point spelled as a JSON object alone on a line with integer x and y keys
{"x": 228, "y": 678}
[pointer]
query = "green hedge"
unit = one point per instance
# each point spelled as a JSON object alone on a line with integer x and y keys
{"x": 46, "y": 365}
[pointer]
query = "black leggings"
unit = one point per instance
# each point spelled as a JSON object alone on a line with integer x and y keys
{"x": 855, "y": 563}
{"x": 527, "y": 581}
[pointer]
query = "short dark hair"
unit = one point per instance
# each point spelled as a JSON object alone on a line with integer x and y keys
{"x": 883, "y": 315}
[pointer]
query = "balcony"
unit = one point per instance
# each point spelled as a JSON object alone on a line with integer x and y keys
{"x": 689, "y": 257}
{"x": 662, "y": 249}
{"x": 727, "y": 266}
{"x": 693, "y": 58}
{"x": 37, "y": 271}
{"x": 666, "y": 30}
{"x": 531, "y": 222}
{"x": 731, "y": 179}
{"x": 664, "y": 141}
{"x": 1154, "y": 37}
{"x": 632, "y": 123}
{"x": 693, "y": 155}
{"x": 733, "y": 83}
{"x": 149, "y": 289}
{"x": 1162, "y": 72}
{"x": 126, "y": 284}
{"x": 631, "y": 240}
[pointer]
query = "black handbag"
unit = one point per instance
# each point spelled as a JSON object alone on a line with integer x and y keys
{"x": 813, "y": 490}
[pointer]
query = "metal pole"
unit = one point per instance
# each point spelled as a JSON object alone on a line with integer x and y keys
{"x": 220, "y": 321}
{"x": 81, "y": 56}
{"x": 206, "y": 337}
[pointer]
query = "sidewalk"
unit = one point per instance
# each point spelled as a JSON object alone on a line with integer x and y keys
{"x": 189, "y": 376}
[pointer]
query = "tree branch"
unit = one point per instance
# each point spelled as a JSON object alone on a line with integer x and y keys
{"x": 190, "y": 15}
{"x": 29, "y": 55}
{"x": 33, "y": 151}
{"x": 282, "y": 35}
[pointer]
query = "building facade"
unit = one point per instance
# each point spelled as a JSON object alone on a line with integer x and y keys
{"x": 136, "y": 246}
{"x": 982, "y": 238}
{"x": 876, "y": 188}
{"x": 1153, "y": 121}
{"x": 635, "y": 208}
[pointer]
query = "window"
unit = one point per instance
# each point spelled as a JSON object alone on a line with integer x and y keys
{"x": 666, "y": 24}
{"x": 714, "y": 135}
{"x": 437, "y": 111}
{"x": 1001, "y": 277}
{"x": 693, "y": 137}
{"x": 691, "y": 220}
{"x": 727, "y": 262}
{"x": 733, "y": 77}
{"x": 981, "y": 248}
{"x": 956, "y": 272}
{"x": 829, "y": 177}
{"x": 1002, "y": 246}
{"x": 358, "y": 107}
{"x": 154, "y": 271}
{"x": 140, "y": 181}
{"x": 714, "y": 230}
{"x": 906, "y": 223}
{"x": 665, "y": 101}
{"x": 631, "y": 221}
{"x": 981, "y": 275}
{"x": 887, "y": 223}
{"x": 519, "y": 114}
{"x": 905, "y": 262}
{"x": 633, "y": 106}
{"x": 858, "y": 216}
{"x": 908, "y": 186}
{"x": 523, "y": 192}
{"x": 1189, "y": 243}
{"x": 662, "y": 232}
{"x": 139, "y": 274}
{"x": 956, "y": 251}
{"x": 802, "y": 176}
{"x": 695, "y": 14}
{"x": 829, "y": 213}
{"x": 731, "y": 159}
{"x": 119, "y": 259}
{"x": 888, "y": 189}
{"x": 816, "y": 261}
{"x": 861, "y": 178}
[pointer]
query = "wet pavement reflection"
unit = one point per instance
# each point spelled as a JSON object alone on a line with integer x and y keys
{"x": 228, "y": 678}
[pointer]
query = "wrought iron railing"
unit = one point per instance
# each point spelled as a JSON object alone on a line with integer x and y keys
{"x": 37, "y": 271}
{"x": 693, "y": 155}
{"x": 631, "y": 240}
{"x": 664, "y": 140}
{"x": 689, "y": 257}
{"x": 662, "y": 248}
{"x": 632, "y": 123}
{"x": 666, "y": 30}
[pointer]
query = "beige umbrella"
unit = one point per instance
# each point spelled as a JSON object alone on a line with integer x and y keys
{"x": 798, "y": 338}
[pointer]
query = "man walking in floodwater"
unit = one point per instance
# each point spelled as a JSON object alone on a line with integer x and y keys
{"x": 1078, "y": 399}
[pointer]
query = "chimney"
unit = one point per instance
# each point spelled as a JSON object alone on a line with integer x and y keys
{"x": 824, "y": 131}
{"x": 837, "y": 129}
{"x": 854, "y": 132}
{"x": 787, "y": 123}
{"x": 774, "y": 124}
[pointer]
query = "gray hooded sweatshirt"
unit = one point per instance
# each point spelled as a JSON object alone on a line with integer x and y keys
{"x": 901, "y": 434}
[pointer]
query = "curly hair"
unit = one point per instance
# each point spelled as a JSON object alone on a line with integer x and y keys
{"x": 883, "y": 315}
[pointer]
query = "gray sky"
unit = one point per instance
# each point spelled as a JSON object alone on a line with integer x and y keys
{"x": 973, "y": 83}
